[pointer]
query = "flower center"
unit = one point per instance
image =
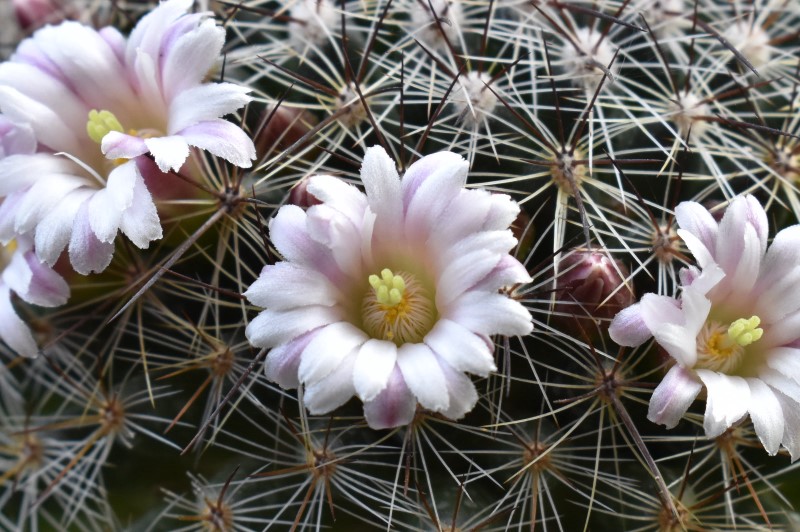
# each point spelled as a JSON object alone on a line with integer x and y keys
{"x": 720, "y": 348}
{"x": 397, "y": 308}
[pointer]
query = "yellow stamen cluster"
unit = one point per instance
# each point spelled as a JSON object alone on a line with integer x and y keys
{"x": 720, "y": 348}
{"x": 101, "y": 123}
{"x": 397, "y": 308}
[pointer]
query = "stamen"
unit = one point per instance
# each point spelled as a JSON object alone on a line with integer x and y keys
{"x": 397, "y": 308}
{"x": 720, "y": 347}
{"x": 101, "y": 123}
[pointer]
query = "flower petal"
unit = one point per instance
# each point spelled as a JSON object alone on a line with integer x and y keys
{"x": 13, "y": 330}
{"x": 282, "y": 362}
{"x": 223, "y": 139}
{"x": 461, "y": 392}
{"x": 460, "y": 348}
{"x": 283, "y": 286}
{"x": 628, "y": 327}
{"x": 374, "y": 365}
{"x": 727, "y": 401}
{"x": 394, "y": 406}
{"x": 47, "y": 288}
{"x": 328, "y": 349}
{"x": 140, "y": 221}
{"x": 673, "y": 396}
{"x": 767, "y": 415}
{"x": 696, "y": 219}
{"x": 54, "y": 232}
{"x": 116, "y": 145}
{"x": 205, "y": 102}
{"x": 272, "y": 328}
{"x": 490, "y": 314}
{"x": 382, "y": 184}
{"x": 423, "y": 376}
{"x": 87, "y": 253}
{"x": 334, "y": 390}
{"x": 169, "y": 152}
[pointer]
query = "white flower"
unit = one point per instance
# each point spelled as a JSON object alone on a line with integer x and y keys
{"x": 391, "y": 295}
{"x": 92, "y": 100}
{"x": 22, "y": 272}
{"x": 735, "y": 330}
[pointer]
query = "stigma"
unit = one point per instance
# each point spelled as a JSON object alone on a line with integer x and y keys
{"x": 101, "y": 123}
{"x": 397, "y": 308}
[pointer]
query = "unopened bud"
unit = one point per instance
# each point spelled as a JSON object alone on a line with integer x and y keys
{"x": 591, "y": 285}
{"x": 32, "y": 14}
{"x": 281, "y": 127}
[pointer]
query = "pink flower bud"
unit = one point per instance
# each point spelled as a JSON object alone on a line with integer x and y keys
{"x": 300, "y": 196}
{"x": 32, "y": 14}
{"x": 281, "y": 128}
{"x": 590, "y": 285}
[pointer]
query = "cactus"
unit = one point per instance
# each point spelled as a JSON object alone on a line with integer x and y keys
{"x": 399, "y": 265}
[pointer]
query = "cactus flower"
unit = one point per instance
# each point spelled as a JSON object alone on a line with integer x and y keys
{"x": 391, "y": 295}
{"x": 734, "y": 329}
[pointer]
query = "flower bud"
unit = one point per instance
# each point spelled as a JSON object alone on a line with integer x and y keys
{"x": 591, "y": 285}
{"x": 32, "y": 14}
{"x": 280, "y": 128}
{"x": 300, "y": 196}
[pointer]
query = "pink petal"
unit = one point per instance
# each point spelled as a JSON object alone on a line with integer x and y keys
{"x": 673, "y": 396}
{"x": 86, "y": 252}
{"x": 696, "y": 219}
{"x": 461, "y": 392}
{"x": 628, "y": 327}
{"x": 193, "y": 54}
{"x": 282, "y": 362}
{"x": 394, "y": 406}
{"x": 47, "y": 288}
{"x": 116, "y": 145}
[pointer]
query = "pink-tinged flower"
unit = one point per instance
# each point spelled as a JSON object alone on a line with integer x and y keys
{"x": 94, "y": 99}
{"x": 390, "y": 295}
{"x": 734, "y": 331}
{"x": 21, "y": 272}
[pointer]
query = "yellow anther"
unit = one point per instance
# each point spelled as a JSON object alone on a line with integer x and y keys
{"x": 101, "y": 123}
{"x": 745, "y": 331}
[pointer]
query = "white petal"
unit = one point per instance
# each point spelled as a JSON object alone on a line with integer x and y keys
{"x": 223, "y": 139}
{"x": 41, "y": 198}
{"x": 423, "y": 376}
{"x": 13, "y": 330}
{"x": 54, "y": 232}
{"x": 382, "y": 184}
{"x": 140, "y": 221}
{"x": 767, "y": 415}
{"x": 107, "y": 205}
{"x": 116, "y": 145}
{"x": 333, "y": 391}
{"x": 461, "y": 392}
{"x": 339, "y": 195}
{"x": 393, "y": 407}
{"x": 374, "y": 365}
{"x": 190, "y": 58}
{"x": 672, "y": 327}
{"x": 791, "y": 425}
{"x": 271, "y": 328}
{"x": 21, "y": 171}
{"x": 673, "y": 396}
{"x": 45, "y": 121}
{"x": 283, "y": 286}
{"x": 460, "y": 348}
{"x": 490, "y": 314}
{"x": 696, "y": 219}
{"x": 205, "y": 102}
{"x": 169, "y": 152}
{"x": 727, "y": 401}
{"x": 17, "y": 274}
{"x": 328, "y": 349}
{"x": 785, "y": 360}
